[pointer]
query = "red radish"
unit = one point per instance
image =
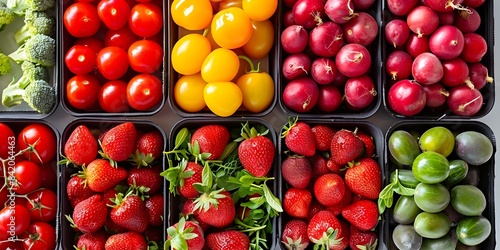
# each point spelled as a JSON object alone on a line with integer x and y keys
{"x": 398, "y": 65}
{"x": 323, "y": 70}
{"x": 464, "y": 101}
{"x": 329, "y": 98}
{"x": 478, "y": 75}
{"x": 422, "y": 20}
{"x": 397, "y": 32}
{"x": 475, "y": 48}
{"x": 301, "y": 95}
{"x": 362, "y": 4}
{"x": 353, "y": 60}
{"x": 435, "y": 95}
{"x": 427, "y": 69}
{"x": 455, "y": 72}
{"x": 360, "y": 92}
{"x": 446, "y": 42}
{"x": 406, "y": 97}
{"x": 289, "y": 3}
{"x": 467, "y": 20}
{"x": 296, "y": 65}
{"x": 473, "y": 3}
{"x": 362, "y": 29}
{"x": 417, "y": 45}
{"x": 294, "y": 39}
{"x": 326, "y": 39}
{"x": 288, "y": 18}
{"x": 444, "y": 5}
{"x": 308, "y": 13}
{"x": 446, "y": 18}
{"x": 339, "y": 11}
{"x": 340, "y": 80}
{"x": 401, "y": 7}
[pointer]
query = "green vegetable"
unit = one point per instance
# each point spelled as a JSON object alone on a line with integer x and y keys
{"x": 21, "y": 6}
{"x": 6, "y": 16}
{"x": 39, "y": 49}
{"x": 5, "y": 66}
{"x": 39, "y": 95}
{"x": 38, "y": 22}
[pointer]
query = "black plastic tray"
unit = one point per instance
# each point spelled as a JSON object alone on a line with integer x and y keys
{"x": 486, "y": 29}
{"x": 68, "y": 233}
{"x": 486, "y": 171}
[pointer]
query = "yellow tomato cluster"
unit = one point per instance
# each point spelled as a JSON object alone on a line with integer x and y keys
{"x": 220, "y": 38}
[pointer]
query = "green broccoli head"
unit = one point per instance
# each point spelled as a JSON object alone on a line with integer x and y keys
{"x": 7, "y": 16}
{"x": 39, "y": 23}
{"x": 21, "y": 6}
{"x": 5, "y": 66}
{"x": 39, "y": 49}
{"x": 17, "y": 6}
{"x": 40, "y": 96}
{"x": 12, "y": 94}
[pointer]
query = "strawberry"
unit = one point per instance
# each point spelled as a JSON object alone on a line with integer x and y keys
{"x": 112, "y": 227}
{"x": 329, "y": 189}
{"x": 230, "y": 239}
{"x": 343, "y": 235}
{"x": 296, "y": 202}
{"x": 362, "y": 214}
{"x": 92, "y": 241}
{"x": 119, "y": 142}
{"x": 77, "y": 191}
{"x": 294, "y": 235}
{"x": 189, "y": 211}
{"x": 322, "y": 136}
{"x": 109, "y": 196}
{"x": 185, "y": 235}
{"x": 368, "y": 141}
{"x": 319, "y": 166}
{"x": 346, "y": 200}
{"x": 346, "y": 147}
{"x": 297, "y": 171}
{"x": 146, "y": 176}
{"x": 216, "y": 208}
{"x": 155, "y": 206}
{"x": 364, "y": 178}
{"x": 182, "y": 177}
{"x": 299, "y": 137}
{"x": 333, "y": 167}
{"x": 101, "y": 176}
{"x": 149, "y": 147}
{"x": 154, "y": 234}
{"x": 90, "y": 214}
{"x": 256, "y": 151}
{"x": 324, "y": 229}
{"x": 81, "y": 147}
{"x": 126, "y": 241}
{"x": 362, "y": 239}
{"x": 130, "y": 212}
{"x": 314, "y": 208}
{"x": 211, "y": 139}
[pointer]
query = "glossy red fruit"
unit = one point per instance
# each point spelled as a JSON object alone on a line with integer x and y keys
{"x": 329, "y": 189}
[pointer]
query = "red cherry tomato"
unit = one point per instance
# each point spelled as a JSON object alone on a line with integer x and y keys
{"x": 122, "y": 37}
{"x": 7, "y": 141}
{"x": 42, "y": 205}
{"x": 145, "y": 56}
{"x": 81, "y": 19}
{"x": 42, "y": 141}
{"x": 40, "y": 236}
{"x": 16, "y": 215}
{"x": 113, "y": 97}
{"x": 146, "y": 19}
{"x": 80, "y": 59}
{"x": 92, "y": 42}
{"x": 144, "y": 91}
{"x": 113, "y": 13}
{"x": 112, "y": 62}
{"x": 82, "y": 91}
{"x": 27, "y": 176}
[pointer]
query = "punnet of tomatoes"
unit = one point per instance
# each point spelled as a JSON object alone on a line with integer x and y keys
{"x": 438, "y": 59}
{"x": 222, "y": 186}
{"x": 111, "y": 189}
{"x": 29, "y": 196}
{"x": 223, "y": 57}
{"x": 330, "y": 58}
{"x": 113, "y": 56}
{"x": 331, "y": 174}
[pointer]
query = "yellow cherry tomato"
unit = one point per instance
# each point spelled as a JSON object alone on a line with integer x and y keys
{"x": 188, "y": 93}
{"x": 231, "y": 28}
{"x": 189, "y": 52}
{"x": 222, "y": 98}
{"x": 224, "y": 4}
{"x": 260, "y": 10}
{"x": 221, "y": 65}
{"x": 213, "y": 44}
{"x": 257, "y": 89}
{"x": 192, "y": 14}
{"x": 262, "y": 39}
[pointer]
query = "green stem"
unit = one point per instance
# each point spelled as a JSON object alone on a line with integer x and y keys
{"x": 250, "y": 62}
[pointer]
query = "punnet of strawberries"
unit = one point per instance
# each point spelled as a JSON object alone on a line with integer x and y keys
{"x": 331, "y": 177}
{"x": 113, "y": 191}
{"x": 221, "y": 186}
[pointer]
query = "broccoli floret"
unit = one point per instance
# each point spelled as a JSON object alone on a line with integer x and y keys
{"x": 39, "y": 95}
{"x": 39, "y": 23}
{"x": 31, "y": 73}
{"x": 6, "y": 16}
{"x": 20, "y": 6}
{"x": 5, "y": 66}
{"x": 39, "y": 49}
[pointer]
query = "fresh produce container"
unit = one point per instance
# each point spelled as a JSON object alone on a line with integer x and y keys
{"x": 48, "y": 174}
{"x": 129, "y": 74}
{"x": 328, "y": 97}
{"x": 97, "y": 126}
{"x": 259, "y": 103}
{"x": 480, "y": 175}
{"x": 474, "y": 22}
{"x": 8, "y": 45}
{"x": 362, "y": 127}
{"x": 176, "y": 202}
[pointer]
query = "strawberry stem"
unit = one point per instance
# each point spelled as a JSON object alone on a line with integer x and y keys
{"x": 291, "y": 122}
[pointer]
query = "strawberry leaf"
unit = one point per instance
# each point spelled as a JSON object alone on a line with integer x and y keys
{"x": 271, "y": 199}
{"x": 181, "y": 138}
{"x": 230, "y": 147}
{"x": 207, "y": 176}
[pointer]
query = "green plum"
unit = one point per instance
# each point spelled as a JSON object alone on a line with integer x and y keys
{"x": 405, "y": 210}
{"x": 474, "y": 230}
{"x": 437, "y": 139}
{"x": 403, "y": 147}
{"x": 430, "y": 167}
{"x": 431, "y": 198}
{"x": 468, "y": 200}
{"x": 458, "y": 172}
{"x": 432, "y": 225}
{"x": 473, "y": 147}
{"x": 406, "y": 238}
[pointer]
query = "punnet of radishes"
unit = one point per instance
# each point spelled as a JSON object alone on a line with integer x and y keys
{"x": 436, "y": 58}
{"x": 329, "y": 57}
